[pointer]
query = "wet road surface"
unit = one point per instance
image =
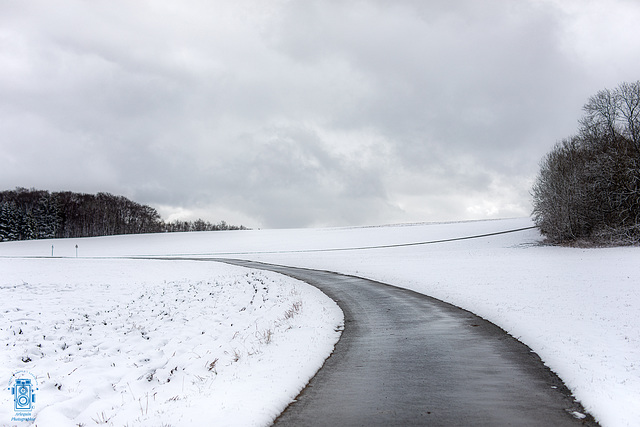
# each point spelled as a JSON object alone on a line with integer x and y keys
{"x": 406, "y": 359}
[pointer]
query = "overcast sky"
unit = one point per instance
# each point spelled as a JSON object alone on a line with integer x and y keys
{"x": 301, "y": 113}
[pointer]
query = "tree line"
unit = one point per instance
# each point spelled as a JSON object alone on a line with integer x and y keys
{"x": 588, "y": 187}
{"x": 37, "y": 214}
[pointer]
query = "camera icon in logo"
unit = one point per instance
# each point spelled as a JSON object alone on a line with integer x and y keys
{"x": 23, "y": 395}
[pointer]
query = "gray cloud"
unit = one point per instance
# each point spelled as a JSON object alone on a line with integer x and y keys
{"x": 300, "y": 113}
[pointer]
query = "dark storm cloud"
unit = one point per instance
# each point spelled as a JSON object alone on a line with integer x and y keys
{"x": 299, "y": 113}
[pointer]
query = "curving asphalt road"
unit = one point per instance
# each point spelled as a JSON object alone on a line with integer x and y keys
{"x": 406, "y": 359}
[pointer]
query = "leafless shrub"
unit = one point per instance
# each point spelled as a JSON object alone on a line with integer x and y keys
{"x": 295, "y": 309}
{"x": 211, "y": 367}
{"x": 101, "y": 418}
{"x": 266, "y": 336}
{"x": 588, "y": 187}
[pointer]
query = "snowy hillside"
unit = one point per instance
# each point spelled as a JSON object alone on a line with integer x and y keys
{"x": 127, "y": 342}
{"x": 577, "y": 308}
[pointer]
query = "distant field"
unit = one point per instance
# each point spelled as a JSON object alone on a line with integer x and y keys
{"x": 577, "y": 308}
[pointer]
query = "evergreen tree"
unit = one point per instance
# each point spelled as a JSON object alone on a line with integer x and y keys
{"x": 46, "y": 214}
{"x": 35, "y": 214}
{"x": 9, "y": 222}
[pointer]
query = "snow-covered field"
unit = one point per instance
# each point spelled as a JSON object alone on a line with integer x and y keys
{"x": 172, "y": 343}
{"x": 577, "y": 308}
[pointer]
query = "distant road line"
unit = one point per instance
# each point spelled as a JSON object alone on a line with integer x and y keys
{"x": 360, "y": 248}
{"x": 291, "y": 251}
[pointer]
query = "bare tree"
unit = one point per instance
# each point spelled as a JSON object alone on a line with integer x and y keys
{"x": 589, "y": 185}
